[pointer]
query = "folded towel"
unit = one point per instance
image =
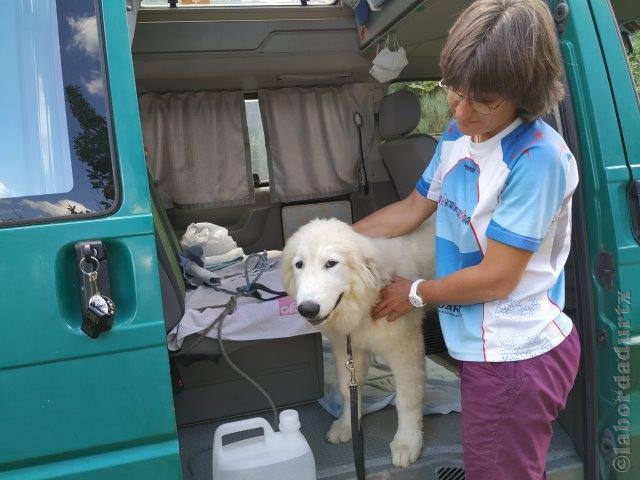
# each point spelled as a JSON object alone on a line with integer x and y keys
{"x": 213, "y": 239}
{"x": 216, "y": 262}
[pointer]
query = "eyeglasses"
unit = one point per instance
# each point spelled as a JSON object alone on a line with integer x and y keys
{"x": 477, "y": 105}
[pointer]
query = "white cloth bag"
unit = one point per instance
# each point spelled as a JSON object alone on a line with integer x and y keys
{"x": 388, "y": 63}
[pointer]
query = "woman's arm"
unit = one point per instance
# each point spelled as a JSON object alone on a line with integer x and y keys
{"x": 494, "y": 277}
{"x": 398, "y": 218}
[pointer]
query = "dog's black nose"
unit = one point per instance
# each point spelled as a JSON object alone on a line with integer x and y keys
{"x": 309, "y": 309}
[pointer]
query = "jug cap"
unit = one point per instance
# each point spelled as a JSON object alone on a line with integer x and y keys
{"x": 289, "y": 421}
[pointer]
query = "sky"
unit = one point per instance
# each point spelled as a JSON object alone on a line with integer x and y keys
{"x": 40, "y": 38}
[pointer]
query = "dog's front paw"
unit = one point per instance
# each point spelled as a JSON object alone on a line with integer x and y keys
{"x": 405, "y": 451}
{"x": 339, "y": 432}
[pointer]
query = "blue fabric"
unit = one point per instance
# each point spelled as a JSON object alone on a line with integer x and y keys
{"x": 362, "y": 11}
{"x": 535, "y": 187}
{"x": 503, "y": 235}
{"x": 513, "y": 188}
{"x": 556, "y": 293}
{"x": 424, "y": 182}
{"x": 422, "y": 186}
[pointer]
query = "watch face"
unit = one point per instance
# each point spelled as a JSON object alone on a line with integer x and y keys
{"x": 416, "y": 301}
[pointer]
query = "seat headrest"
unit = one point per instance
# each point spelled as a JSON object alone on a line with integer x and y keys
{"x": 399, "y": 114}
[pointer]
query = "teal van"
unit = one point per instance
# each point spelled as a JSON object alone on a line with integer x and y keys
{"x": 100, "y": 177}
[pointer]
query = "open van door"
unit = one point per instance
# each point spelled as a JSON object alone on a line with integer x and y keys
{"x": 72, "y": 170}
{"x": 606, "y": 116}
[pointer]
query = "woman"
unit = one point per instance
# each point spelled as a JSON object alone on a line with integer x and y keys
{"x": 501, "y": 181}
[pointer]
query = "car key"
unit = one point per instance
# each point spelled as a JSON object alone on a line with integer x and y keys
{"x": 100, "y": 305}
{"x": 99, "y": 310}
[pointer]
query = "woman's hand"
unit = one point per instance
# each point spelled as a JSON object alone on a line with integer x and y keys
{"x": 394, "y": 300}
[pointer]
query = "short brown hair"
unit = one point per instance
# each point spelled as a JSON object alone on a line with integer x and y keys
{"x": 509, "y": 48}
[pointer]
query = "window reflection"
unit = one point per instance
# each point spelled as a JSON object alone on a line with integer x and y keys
{"x": 90, "y": 186}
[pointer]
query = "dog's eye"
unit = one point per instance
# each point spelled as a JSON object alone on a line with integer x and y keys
{"x": 330, "y": 264}
{"x": 299, "y": 264}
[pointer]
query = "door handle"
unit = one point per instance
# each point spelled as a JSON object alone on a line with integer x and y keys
{"x": 95, "y": 287}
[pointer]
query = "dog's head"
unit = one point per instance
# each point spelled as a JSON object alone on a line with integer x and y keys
{"x": 330, "y": 271}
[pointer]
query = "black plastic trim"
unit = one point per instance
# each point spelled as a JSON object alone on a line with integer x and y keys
{"x": 633, "y": 193}
{"x": 585, "y": 313}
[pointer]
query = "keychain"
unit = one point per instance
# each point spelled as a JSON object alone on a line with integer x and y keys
{"x": 100, "y": 307}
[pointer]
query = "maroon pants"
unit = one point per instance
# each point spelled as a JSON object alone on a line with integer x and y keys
{"x": 508, "y": 408}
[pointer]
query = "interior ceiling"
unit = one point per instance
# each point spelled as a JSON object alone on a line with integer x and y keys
{"x": 424, "y": 31}
{"x": 626, "y": 10}
{"x": 215, "y": 49}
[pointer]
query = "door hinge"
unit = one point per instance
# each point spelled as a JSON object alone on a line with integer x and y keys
{"x": 605, "y": 271}
{"x": 560, "y": 15}
{"x": 633, "y": 193}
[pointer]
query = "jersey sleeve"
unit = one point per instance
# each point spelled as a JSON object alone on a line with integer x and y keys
{"x": 428, "y": 184}
{"x": 533, "y": 194}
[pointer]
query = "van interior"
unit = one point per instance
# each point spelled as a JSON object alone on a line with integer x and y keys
{"x": 284, "y": 63}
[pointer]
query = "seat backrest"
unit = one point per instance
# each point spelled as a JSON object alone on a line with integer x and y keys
{"x": 294, "y": 216}
{"x": 405, "y": 156}
{"x": 168, "y": 247}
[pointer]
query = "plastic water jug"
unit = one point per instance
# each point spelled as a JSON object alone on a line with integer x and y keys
{"x": 283, "y": 455}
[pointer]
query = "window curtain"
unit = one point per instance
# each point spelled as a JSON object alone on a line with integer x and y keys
{"x": 198, "y": 148}
{"x": 312, "y": 141}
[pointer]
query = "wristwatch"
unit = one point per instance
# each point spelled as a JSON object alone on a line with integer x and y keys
{"x": 414, "y": 298}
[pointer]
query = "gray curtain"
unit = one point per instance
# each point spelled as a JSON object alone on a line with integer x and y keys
{"x": 198, "y": 148}
{"x": 312, "y": 140}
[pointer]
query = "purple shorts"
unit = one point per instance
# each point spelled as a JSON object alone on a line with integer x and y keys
{"x": 508, "y": 408}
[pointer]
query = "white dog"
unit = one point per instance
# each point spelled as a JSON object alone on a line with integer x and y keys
{"x": 335, "y": 276}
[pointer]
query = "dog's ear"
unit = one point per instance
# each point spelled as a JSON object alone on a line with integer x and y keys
{"x": 371, "y": 273}
{"x": 288, "y": 281}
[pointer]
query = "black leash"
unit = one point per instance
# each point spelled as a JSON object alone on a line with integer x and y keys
{"x": 356, "y": 430}
{"x": 255, "y": 289}
{"x": 363, "y": 180}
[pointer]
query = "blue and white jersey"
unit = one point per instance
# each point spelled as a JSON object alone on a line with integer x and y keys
{"x": 514, "y": 188}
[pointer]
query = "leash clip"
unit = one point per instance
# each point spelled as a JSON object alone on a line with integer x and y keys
{"x": 350, "y": 364}
{"x": 352, "y": 371}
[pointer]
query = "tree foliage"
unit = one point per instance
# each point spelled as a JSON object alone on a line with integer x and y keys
{"x": 91, "y": 144}
{"x": 434, "y": 109}
{"x": 634, "y": 60}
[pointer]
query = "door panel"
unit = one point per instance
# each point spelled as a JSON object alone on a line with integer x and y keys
{"x": 71, "y": 406}
{"x": 604, "y": 104}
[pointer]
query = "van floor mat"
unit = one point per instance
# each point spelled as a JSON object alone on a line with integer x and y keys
{"x": 441, "y": 456}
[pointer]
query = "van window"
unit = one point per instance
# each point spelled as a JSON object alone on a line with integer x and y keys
{"x": 434, "y": 109}
{"x": 256, "y": 140}
{"x": 55, "y": 155}
{"x": 634, "y": 59}
{"x": 236, "y": 3}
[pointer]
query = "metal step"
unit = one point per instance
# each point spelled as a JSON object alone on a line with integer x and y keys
{"x": 441, "y": 457}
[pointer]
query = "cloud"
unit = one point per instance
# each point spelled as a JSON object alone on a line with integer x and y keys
{"x": 4, "y": 191}
{"x": 95, "y": 86}
{"x": 85, "y": 34}
{"x": 57, "y": 209}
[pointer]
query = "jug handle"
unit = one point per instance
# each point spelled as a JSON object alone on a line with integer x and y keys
{"x": 240, "y": 426}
